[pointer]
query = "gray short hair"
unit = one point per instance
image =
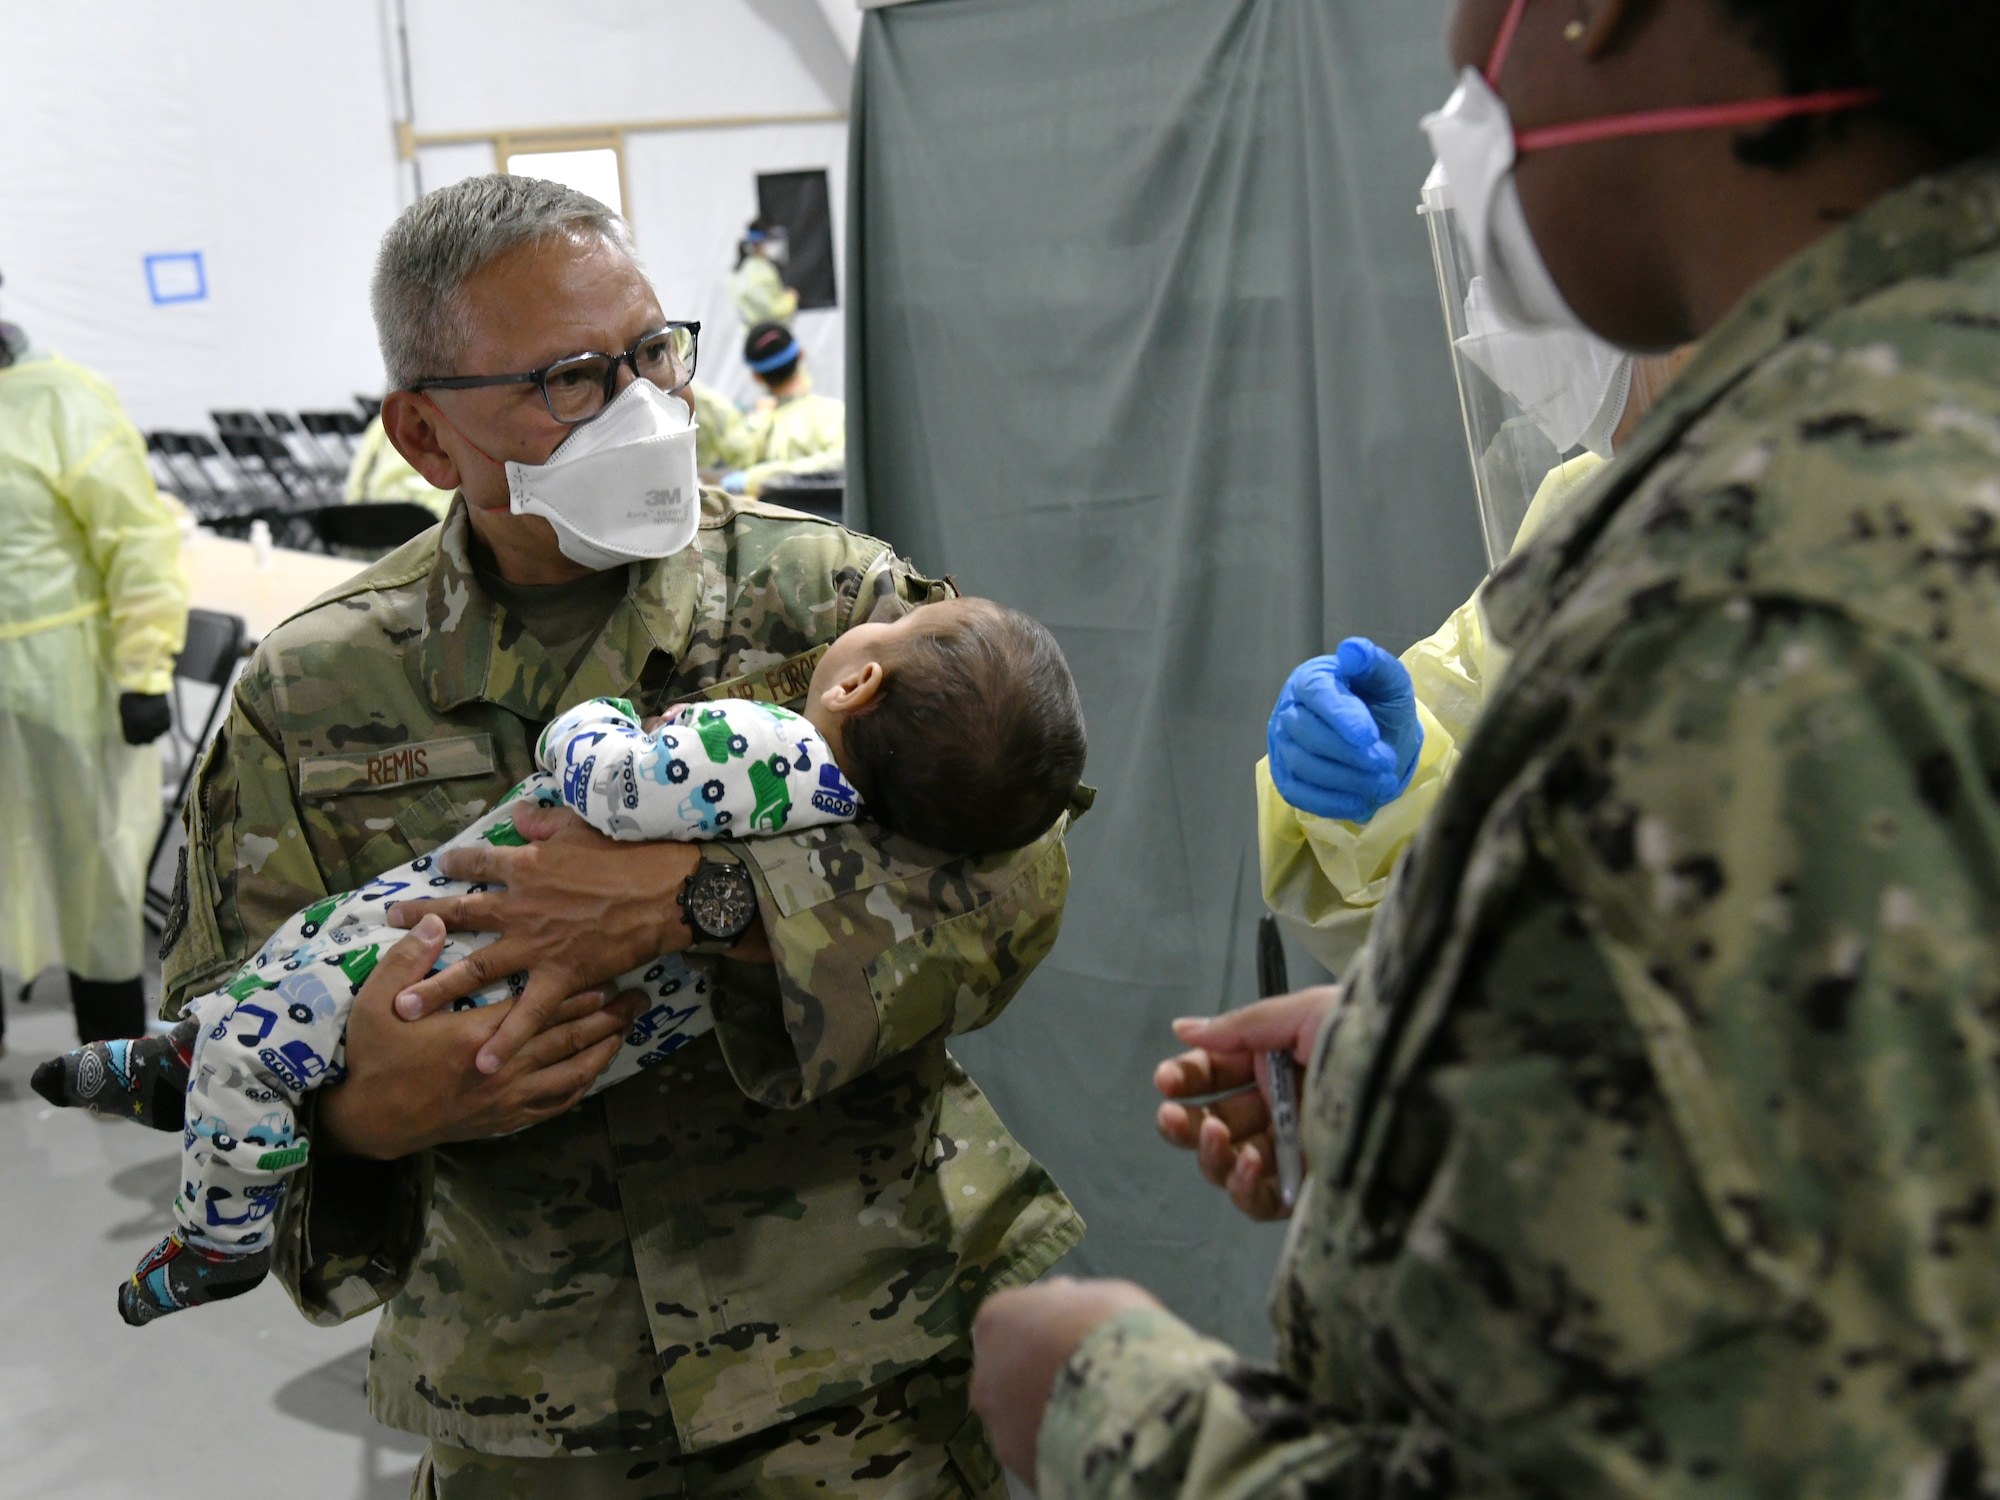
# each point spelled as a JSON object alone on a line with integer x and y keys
{"x": 443, "y": 239}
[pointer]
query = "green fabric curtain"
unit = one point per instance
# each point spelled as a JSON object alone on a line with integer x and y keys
{"x": 1144, "y": 339}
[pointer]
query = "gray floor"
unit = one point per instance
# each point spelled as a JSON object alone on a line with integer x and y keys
{"x": 98, "y": 1411}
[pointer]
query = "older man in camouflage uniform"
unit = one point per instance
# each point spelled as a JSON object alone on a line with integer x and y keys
{"x": 1656, "y": 1142}
{"x": 753, "y": 1271}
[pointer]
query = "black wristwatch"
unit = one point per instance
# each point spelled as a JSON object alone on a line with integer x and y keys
{"x": 719, "y": 901}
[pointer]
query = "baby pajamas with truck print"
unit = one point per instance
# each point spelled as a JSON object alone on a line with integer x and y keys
{"x": 250, "y": 1051}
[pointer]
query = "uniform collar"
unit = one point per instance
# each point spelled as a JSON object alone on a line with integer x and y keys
{"x": 1923, "y": 229}
{"x": 466, "y": 661}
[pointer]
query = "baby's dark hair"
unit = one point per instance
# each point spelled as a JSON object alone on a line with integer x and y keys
{"x": 975, "y": 740}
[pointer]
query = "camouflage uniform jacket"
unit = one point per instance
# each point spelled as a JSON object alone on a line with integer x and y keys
{"x": 805, "y": 1205}
{"x": 1656, "y": 1146}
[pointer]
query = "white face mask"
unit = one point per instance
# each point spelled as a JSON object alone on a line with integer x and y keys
{"x": 1473, "y": 136}
{"x": 621, "y": 487}
{"x": 1573, "y": 386}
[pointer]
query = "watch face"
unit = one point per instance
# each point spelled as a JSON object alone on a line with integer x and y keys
{"x": 722, "y": 901}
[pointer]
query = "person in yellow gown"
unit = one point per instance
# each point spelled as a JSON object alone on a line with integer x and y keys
{"x": 378, "y": 472}
{"x": 1324, "y": 876}
{"x": 757, "y": 286}
{"x": 796, "y": 430}
{"x": 92, "y": 616}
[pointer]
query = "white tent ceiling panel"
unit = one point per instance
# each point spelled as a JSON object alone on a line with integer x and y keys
{"x": 496, "y": 64}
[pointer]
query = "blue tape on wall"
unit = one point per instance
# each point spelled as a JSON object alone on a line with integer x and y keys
{"x": 176, "y": 277}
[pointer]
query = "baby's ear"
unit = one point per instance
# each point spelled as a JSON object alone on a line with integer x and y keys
{"x": 856, "y": 690}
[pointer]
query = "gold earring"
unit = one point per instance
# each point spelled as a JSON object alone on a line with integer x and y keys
{"x": 1575, "y": 32}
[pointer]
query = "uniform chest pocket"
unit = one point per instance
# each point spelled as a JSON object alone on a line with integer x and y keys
{"x": 371, "y": 810}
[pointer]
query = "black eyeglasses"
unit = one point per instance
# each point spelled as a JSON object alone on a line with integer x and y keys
{"x": 579, "y": 387}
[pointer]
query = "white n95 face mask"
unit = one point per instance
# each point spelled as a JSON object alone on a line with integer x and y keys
{"x": 622, "y": 487}
{"x": 1572, "y": 385}
{"x": 1473, "y": 137}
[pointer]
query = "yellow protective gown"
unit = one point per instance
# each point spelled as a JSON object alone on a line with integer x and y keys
{"x": 94, "y": 604}
{"x": 1324, "y": 877}
{"x": 379, "y": 472}
{"x": 758, "y": 289}
{"x": 718, "y": 437}
{"x": 795, "y": 434}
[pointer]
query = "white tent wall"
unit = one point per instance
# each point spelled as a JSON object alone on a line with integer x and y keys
{"x": 262, "y": 136}
{"x": 258, "y": 135}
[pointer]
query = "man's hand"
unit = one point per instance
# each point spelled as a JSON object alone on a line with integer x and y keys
{"x": 1021, "y": 1340}
{"x": 412, "y": 1085}
{"x": 1231, "y": 1138}
{"x": 578, "y": 909}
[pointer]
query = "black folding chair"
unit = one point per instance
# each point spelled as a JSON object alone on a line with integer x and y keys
{"x": 214, "y": 645}
{"x": 371, "y": 407}
{"x": 303, "y": 447}
{"x": 371, "y": 525}
{"x": 176, "y": 473}
{"x": 258, "y": 453}
{"x": 213, "y": 487}
{"x": 335, "y": 433}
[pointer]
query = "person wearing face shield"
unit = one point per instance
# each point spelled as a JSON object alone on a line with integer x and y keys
{"x": 1652, "y": 1138}
{"x": 1331, "y": 823}
{"x": 696, "y": 1277}
{"x": 757, "y": 285}
{"x": 93, "y": 611}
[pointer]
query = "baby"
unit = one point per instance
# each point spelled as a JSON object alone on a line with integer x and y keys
{"x": 957, "y": 725}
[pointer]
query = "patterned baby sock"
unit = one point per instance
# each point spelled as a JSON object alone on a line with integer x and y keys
{"x": 175, "y": 1275}
{"x": 143, "y": 1079}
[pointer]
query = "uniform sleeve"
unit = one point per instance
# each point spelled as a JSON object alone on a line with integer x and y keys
{"x": 1694, "y": 1193}
{"x": 1148, "y": 1407}
{"x": 131, "y": 536}
{"x": 348, "y": 1230}
{"x": 881, "y": 942}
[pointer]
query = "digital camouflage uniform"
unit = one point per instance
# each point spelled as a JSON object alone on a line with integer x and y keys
{"x": 1657, "y": 1142}
{"x": 780, "y": 1222}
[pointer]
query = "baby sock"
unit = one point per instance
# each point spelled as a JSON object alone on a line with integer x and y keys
{"x": 144, "y": 1078}
{"x": 175, "y": 1275}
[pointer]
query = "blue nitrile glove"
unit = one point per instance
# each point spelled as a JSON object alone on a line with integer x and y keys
{"x": 1344, "y": 738}
{"x": 734, "y": 481}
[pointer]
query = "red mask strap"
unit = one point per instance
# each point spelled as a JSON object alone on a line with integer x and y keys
{"x": 1504, "y": 43}
{"x": 1665, "y": 121}
{"x": 1695, "y": 117}
{"x": 423, "y": 397}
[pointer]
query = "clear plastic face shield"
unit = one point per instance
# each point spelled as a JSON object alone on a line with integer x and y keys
{"x": 1530, "y": 398}
{"x": 774, "y": 244}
